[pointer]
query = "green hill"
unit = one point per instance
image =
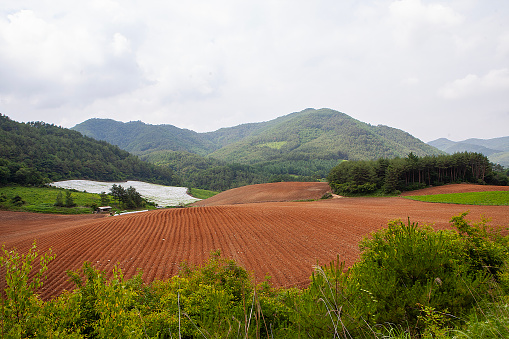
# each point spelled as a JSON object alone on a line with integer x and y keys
{"x": 36, "y": 152}
{"x": 304, "y": 145}
{"x": 137, "y": 137}
{"x": 321, "y": 134}
{"x": 306, "y": 135}
{"x": 496, "y": 149}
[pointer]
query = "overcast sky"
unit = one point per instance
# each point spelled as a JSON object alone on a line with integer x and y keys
{"x": 431, "y": 68}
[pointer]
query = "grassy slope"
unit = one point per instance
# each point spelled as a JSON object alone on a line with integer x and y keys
{"x": 494, "y": 198}
{"x": 41, "y": 199}
{"x": 201, "y": 194}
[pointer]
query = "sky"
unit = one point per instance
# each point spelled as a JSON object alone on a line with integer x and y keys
{"x": 431, "y": 68}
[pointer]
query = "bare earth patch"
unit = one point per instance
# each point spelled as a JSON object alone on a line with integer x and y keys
{"x": 273, "y": 192}
{"x": 280, "y": 239}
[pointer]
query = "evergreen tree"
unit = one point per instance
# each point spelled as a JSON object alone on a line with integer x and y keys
{"x": 105, "y": 200}
{"x": 69, "y": 201}
{"x": 60, "y": 200}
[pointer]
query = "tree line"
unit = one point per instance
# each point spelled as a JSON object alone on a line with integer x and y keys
{"x": 414, "y": 172}
{"x": 217, "y": 175}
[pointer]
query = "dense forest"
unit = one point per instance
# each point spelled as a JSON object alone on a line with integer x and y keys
{"x": 212, "y": 174}
{"x": 413, "y": 172}
{"x": 312, "y": 134}
{"x": 322, "y": 134}
{"x": 36, "y": 152}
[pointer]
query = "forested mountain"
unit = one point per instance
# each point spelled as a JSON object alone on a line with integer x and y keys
{"x": 496, "y": 149}
{"x": 321, "y": 134}
{"x": 306, "y": 135}
{"x": 299, "y": 146}
{"x": 137, "y": 137}
{"x": 35, "y": 152}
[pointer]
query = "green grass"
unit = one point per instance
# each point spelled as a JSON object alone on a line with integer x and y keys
{"x": 494, "y": 198}
{"x": 201, "y": 194}
{"x": 274, "y": 145}
{"x": 41, "y": 200}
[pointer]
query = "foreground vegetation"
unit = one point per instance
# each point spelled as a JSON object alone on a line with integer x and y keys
{"x": 494, "y": 198}
{"x": 410, "y": 282}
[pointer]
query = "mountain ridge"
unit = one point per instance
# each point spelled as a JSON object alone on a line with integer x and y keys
{"x": 300, "y": 146}
{"x": 316, "y": 133}
{"x": 496, "y": 149}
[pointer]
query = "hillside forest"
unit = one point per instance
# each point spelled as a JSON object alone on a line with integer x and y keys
{"x": 36, "y": 153}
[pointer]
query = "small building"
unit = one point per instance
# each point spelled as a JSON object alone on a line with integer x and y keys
{"x": 103, "y": 209}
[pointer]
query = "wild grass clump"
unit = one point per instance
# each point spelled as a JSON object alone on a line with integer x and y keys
{"x": 410, "y": 282}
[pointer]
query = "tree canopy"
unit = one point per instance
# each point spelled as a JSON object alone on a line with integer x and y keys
{"x": 412, "y": 172}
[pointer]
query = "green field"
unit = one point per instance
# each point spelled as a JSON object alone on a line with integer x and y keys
{"x": 201, "y": 194}
{"x": 41, "y": 199}
{"x": 274, "y": 144}
{"x": 495, "y": 198}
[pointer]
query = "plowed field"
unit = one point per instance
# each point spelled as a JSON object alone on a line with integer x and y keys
{"x": 281, "y": 239}
{"x": 274, "y": 192}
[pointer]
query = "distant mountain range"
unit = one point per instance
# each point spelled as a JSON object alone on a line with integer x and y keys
{"x": 496, "y": 149}
{"x": 300, "y": 146}
{"x": 306, "y": 135}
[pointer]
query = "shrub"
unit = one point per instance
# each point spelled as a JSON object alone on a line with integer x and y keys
{"x": 59, "y": 202}
{"x": 17, "y": 201}
{"x": 407, "y": 270}
{"x": 20, "y": 310}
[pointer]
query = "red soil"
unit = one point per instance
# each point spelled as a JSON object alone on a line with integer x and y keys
{"x": 281, "y": 239}
{"x": 278, "y": 191}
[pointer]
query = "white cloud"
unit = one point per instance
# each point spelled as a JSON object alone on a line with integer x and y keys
{"x": 473, "y": 85}
{"x": 415, "y": 21}
{"x": 53, "y": 63}
{"x": 208, "y": 64}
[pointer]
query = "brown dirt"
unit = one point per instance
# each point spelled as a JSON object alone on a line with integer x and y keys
{"x": 281, "y": 239}
{"x": 273, "y": 192}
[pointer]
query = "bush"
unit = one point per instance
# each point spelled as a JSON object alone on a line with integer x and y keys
{"x": 20, "y": 310}
{"x": 17, "y": 201}
{"x": 406, "y": 266}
